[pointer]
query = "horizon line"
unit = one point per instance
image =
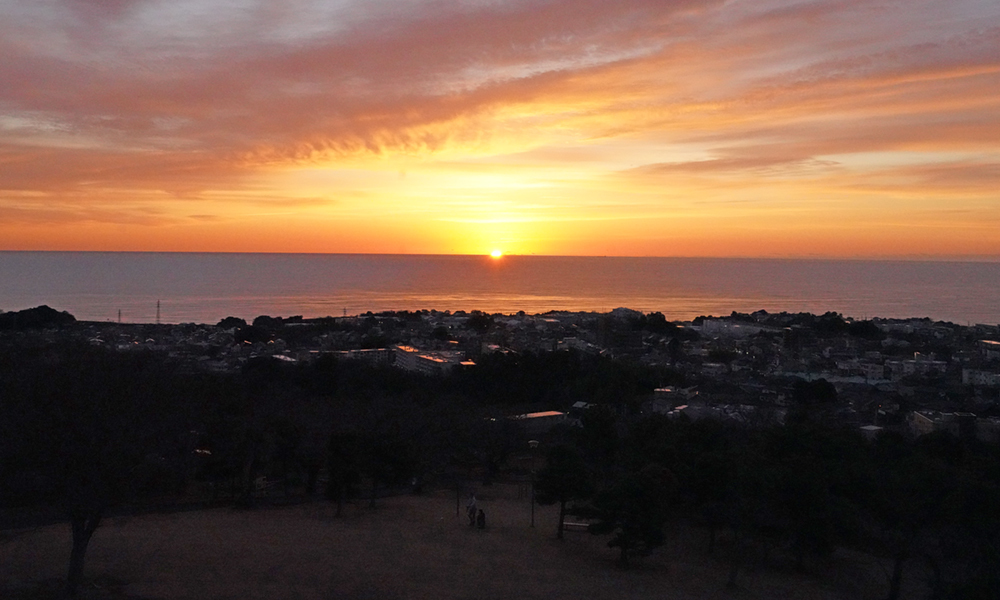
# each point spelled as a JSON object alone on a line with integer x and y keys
{"x": 970, "y": 258}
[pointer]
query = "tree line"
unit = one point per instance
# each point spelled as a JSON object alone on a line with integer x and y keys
{"x": 790, "y": 492}
{"x": 87, "y": 431}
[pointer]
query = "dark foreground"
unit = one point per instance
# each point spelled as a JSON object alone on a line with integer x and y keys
{"x": 407, "y": 547}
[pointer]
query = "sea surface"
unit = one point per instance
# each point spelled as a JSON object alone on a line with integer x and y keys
{"x": 204, "y": 288}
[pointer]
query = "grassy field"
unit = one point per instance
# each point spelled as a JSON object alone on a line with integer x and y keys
{"x": 407, "y": 547}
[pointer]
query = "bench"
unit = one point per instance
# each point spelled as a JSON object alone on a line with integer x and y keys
{"x": 567, "y": 526}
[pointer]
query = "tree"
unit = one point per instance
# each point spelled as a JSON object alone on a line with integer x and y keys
{"x": 814, "y": 401}
{"x": 343, "y": 466}
{"x": 231, "y": 323}
{"x": 385, "y": 430}
{"x": 706, "y": 462}
{"x": 564, "y": 479}
{"x": 968, "y": 563}
{"x": 634, "y": 511}
{"x": 97, "y": 429}
{"x": 817, "y": 483}
{"x": 479, "y": 322}
{"x": 40, "y": 317}
{"x": 818, "y": 392}
{"x": 912, "y": 489}
{"x": 600, "y": 442}
{"x": 492, "y": 440}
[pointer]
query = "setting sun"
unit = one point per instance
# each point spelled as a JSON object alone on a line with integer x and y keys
{"x": 496, "y": 253}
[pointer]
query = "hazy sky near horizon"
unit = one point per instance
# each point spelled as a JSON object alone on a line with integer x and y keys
{"x": 844, "y": 128}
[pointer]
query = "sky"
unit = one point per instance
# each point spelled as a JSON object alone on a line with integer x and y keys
{"x": 823, "y": 128}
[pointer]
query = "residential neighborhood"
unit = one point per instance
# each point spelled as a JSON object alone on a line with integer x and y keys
{"x": 911, "y": 375}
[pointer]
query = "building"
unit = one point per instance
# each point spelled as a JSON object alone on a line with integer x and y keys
{"x": 872, "y": 371}
{"x": 919, "y": 365}
{"x": 990, "y": 349}
{"x": 427, "y": 362}
{"x": 980, "y": 378}
{"x": 538, "y": 423}
{"x": 921, "y": 423}
{"x": 375, "y": 356}
{"x": 958, "y": 424}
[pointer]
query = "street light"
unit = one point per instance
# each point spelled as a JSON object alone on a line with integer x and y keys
{"x": 533, "y": 444}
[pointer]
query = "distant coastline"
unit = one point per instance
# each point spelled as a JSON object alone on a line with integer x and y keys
{"x": 206, "y": 287}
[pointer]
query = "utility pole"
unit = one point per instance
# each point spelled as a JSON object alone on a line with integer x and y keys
{"x": 533, "y": 444}
{"x": 157, "y": 312}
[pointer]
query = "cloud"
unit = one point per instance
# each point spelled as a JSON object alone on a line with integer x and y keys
{"x": 178, "y": 100}
{"x": 55, "y": 169}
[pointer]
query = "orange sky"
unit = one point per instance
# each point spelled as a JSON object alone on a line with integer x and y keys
{"x": 841, "y": 128}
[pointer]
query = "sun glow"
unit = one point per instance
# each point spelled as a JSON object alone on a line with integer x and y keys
{"x": 496, "y": 254}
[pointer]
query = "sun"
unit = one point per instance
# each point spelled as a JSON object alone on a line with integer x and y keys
{"x": 496, "y": 253}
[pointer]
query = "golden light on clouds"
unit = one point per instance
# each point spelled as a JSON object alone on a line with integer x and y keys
{"x": 690, "y": 128}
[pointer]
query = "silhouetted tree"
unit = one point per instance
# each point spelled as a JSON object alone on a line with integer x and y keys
{"x": 231, "y": 323}
{"x": 967, "y": 564}
{"x": 40, "y": 317}
{"x": 343, "y": 466}
{"x": 564, "y": 479}
{"x": 634, "y": 511}
{"x": 599, "y": 441}
{"x": 912, "y": 487}
{"x": 479, "y": 322}
{"x": 816, "y": 483}
{"x": 95, "y": 429}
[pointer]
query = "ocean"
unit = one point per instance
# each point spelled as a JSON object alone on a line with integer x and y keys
{"x": 206, "y": 287}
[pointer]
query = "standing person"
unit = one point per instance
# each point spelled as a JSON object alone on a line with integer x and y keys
{"x": 481, "y": 520}
{"x": 470, "y": 508}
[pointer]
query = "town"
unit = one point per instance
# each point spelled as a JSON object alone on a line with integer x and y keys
{"x": 913, "y": 375}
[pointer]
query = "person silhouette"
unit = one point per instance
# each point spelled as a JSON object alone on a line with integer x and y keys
{"x": 470, "y": 508}
{"x": 481, "y": 520}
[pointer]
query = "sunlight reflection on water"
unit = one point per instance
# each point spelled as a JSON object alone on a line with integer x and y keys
{"x": 208, "y": 287}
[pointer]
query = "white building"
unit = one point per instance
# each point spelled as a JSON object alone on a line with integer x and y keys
{"x": 919, "y": 365}
{"x": 375, "y": 356}
{"x": 429, "y": 363}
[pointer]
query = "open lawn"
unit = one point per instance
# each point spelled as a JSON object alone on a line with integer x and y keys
{"x": 407, "y": 547}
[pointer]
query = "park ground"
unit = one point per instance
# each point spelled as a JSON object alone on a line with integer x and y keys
{"x": 406, "y": 547}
